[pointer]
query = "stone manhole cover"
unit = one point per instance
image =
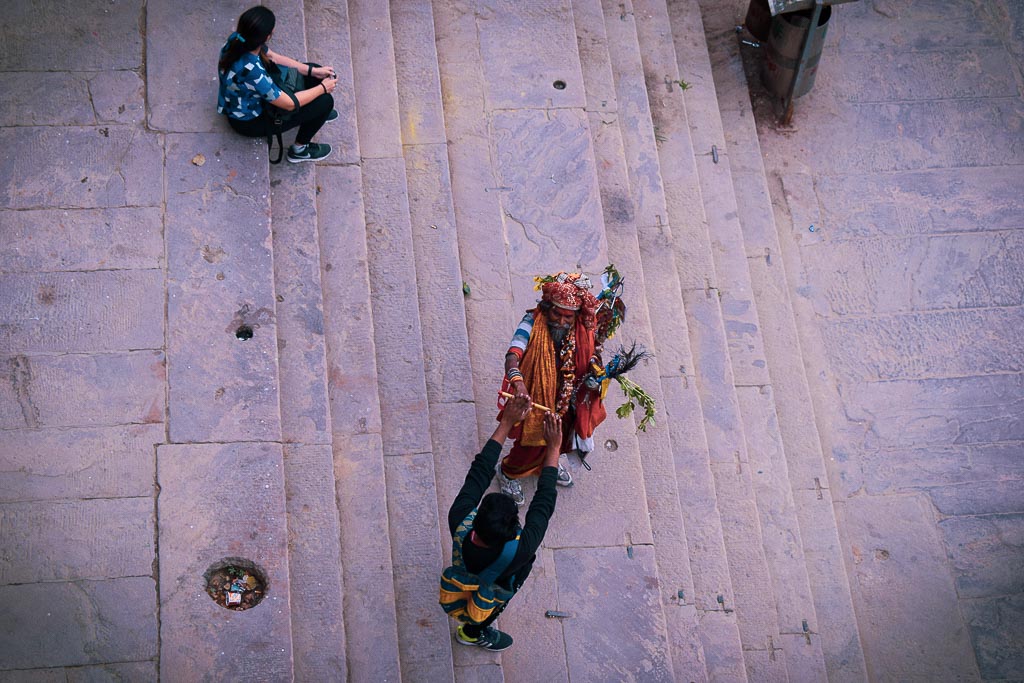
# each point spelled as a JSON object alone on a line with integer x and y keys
{"x": 236, "y": 583}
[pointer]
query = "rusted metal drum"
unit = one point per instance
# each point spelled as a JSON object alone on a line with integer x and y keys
{"x": 759, "y": 19}
{"x": 782, "y": 51}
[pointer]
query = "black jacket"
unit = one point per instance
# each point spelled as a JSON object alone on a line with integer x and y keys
{"x": 541, "y": 508}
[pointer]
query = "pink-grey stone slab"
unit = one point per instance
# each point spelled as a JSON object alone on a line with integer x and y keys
{"x": 417, "y": 556}
{"x": 220, "y": 278}
{"x": 82, "y": 312}
{"x": 943, "y": 74}
{"x": 539, "y": 651}
{"x": 77, "y": 539}
{"x": 305, "y": 412}
{"x": 552, "y": 211}
{"x": 29, "y": 100}
{"x": 85, "y": 98}
{"x": 182, "y": 91}
{"x": 72, "y": 624}
{"x": 47, "y": 240}
{"x": 110, "y": 166}
{"x": 373, "y": 69}
{"x": 419, "y": 86}
{"x": 83, "y": 390}
{"x": 118, "y": 96}
{"x": 996, "y": 625}
{"x": 525, "y": 47}
{"x": 961, "y": 410}
{"x": 780, "y": 529}
{"x": 924, "y": 345}
{"x": 915, "y": 202}
{"x": 596, "y": 583}
{"x": 371, "y": 631}
{"x": 101, "y": 673}
{"x": 220, "y": 501}
{"x": 95, "y": 462}
{"x": 397, "y": 333}
{"x": 329, "y": 43}
{"x": 900, "y": 581}
{"x": 42, "y": 36}
{"x": 438, "y": 274}
{"x": 918, "y": 273}
{"x": 314, "y": 563}
{"x": 987, "y": 552}
{"x": 348, "y": 318}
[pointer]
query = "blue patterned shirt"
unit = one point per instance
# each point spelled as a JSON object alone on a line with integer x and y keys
{"x": 243, "y": 87}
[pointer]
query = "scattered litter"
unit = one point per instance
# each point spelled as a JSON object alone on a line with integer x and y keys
{"x": 236, "y": 588}
{"x": 198, "y": 160}
{"x": 465, "y": 288}
{"x": 812, "y": 228}
{"x": 714, "y": 153}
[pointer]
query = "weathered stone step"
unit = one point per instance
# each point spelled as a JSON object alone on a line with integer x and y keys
{"x": 218, "y": 500}
{"x": 314, "y": 538}
{"x": 642, "y": 251}
{"x": 366, "y": 620}
{"x": 713, "y": 597}
{"x": 423, "y": 636}
{"x": 804, "y": 504}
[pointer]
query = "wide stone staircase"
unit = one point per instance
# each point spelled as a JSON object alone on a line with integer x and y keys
{"x": 480, "y": 144}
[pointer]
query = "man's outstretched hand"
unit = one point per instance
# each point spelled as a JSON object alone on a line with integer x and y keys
{"x": 516, "y": 410}
{"x": 553, "y": 439}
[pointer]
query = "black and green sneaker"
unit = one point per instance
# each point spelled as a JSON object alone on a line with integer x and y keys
{"x": 490, "y": 639}
{"x": 314, "y": 151}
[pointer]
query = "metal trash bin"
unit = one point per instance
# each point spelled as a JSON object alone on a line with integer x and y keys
{"x": 759, "y": 19}
{"x": 782, "y": 51}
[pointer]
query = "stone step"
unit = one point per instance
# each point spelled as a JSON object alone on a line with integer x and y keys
{"x": 412, "y": 506}
{"x": 642, "y": 251}
{"x": 314, "y": 538}
{"x": 354, "y": 466}
{"x": 527, "y": 201}
{"x": 221, "y": 477}
{"x": 448, "y": 377}
{"x": 802, "y": 461}
{"x": 766, "y": 480}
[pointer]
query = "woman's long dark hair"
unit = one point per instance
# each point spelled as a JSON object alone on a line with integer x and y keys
{"x": 254, "y": 27}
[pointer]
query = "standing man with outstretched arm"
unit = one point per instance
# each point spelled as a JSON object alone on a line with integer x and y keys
{"x": 487, "y": 539}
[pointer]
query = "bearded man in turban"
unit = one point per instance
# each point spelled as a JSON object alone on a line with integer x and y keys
{"x": 551, "y": 353}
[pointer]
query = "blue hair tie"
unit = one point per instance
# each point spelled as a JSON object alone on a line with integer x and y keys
{"x": 236, "y": 36}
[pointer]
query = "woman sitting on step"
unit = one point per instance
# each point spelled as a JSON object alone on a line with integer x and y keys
{"x": 247, "y": 85}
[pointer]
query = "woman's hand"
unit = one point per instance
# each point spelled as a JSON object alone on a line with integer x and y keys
{"x": 328, "y": 83}
{"x": 324, "y": 72}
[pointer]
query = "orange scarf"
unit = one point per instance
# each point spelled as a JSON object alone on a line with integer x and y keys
{"x": 540, "y": 372}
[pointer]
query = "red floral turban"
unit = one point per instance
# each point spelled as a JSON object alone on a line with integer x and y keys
{"x": 569, "y": 291}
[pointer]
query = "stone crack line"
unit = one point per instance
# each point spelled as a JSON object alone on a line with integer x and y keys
{"x": 21, "y": 379}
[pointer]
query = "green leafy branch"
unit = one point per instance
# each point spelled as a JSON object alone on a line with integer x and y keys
{"x": 635, "y": 395}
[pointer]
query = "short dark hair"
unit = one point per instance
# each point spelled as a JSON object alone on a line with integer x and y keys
{"x": 497, "y": 519}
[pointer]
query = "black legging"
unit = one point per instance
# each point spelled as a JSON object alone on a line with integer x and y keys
{"x": 309, "y": 119}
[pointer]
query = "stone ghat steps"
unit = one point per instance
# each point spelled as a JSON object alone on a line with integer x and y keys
{"x": 804, "y": 463}
{"x": 440, "y": 176}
